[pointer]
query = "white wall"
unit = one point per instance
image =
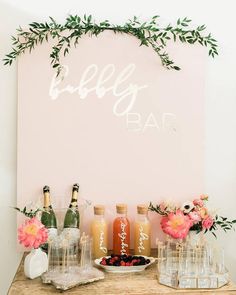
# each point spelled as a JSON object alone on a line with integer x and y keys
{"x": 220, "y": 101}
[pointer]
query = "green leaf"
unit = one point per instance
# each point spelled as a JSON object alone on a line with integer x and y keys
{"x": 214, "y": 234}
{"x": 18, "y": 209}
{"x": 223, "y": 218}
{"x": 66, "y": 51}
{"x": 52, "y": 19}
{"x": 177, "y": 68}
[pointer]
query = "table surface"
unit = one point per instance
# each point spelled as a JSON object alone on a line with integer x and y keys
{"x": 128, "y": 284}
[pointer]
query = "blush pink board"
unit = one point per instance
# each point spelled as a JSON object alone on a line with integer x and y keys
{"x": 120, "y": 124}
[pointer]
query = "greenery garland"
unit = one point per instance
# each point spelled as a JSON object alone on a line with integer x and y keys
{"x": 149, "y": 34}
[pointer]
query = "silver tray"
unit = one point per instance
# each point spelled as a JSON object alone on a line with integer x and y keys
{"x": 76, "y": 277}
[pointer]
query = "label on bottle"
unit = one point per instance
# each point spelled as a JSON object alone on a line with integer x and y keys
{"x": 122, "y": 237}
{"x": 52, "y": 232}
{"x": 101, "y": 243}
{"x": 142, "y": 237}
{"x": 72, "y": 234}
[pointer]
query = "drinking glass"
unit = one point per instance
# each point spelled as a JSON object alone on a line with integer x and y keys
{"x": 85, "y": 251}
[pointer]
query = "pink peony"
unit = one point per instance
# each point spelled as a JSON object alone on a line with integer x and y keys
{"x": 207, "y": 222}
{"x": 32, "y": 233}
{"x": 194, "y": 216}
{"x": 198, "y": 202}
{"x": 176, "y": 225}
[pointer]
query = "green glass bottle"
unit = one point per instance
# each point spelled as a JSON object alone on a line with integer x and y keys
{"x": 72, "y": 217}
{"x": 48, "y": 217}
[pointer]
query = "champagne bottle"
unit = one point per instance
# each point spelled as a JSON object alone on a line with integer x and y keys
{"x": 72, "y": 217}
{"x": 48, "y": 217}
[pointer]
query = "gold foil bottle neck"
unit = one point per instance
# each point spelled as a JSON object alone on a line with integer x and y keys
{"x": 46, "y": 193}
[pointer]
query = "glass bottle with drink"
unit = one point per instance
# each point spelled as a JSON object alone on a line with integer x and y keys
{"x": 72, "y": 217}
{"x": 142, "y": 232}
{"x": 121, "y": 231}
{"x": 99, "y": 232}
{"x": 48, "y": 217}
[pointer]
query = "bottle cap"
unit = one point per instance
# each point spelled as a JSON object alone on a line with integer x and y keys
{"x": 142, "y": 209}
{"x": 46, "y": 189}
{"x": 75, "y": 187}
{"x": 121, "y": 208}
{"x": 99, "y": 210}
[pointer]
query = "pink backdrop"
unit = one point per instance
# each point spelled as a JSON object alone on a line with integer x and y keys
{"x": 128, "y": 131}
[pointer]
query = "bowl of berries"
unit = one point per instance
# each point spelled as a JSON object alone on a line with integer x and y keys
{"x": 124, "y": 263}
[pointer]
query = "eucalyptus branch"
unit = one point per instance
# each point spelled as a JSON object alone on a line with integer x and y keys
{"x": 149, "y": 34}
{"x": 156, "y": 209}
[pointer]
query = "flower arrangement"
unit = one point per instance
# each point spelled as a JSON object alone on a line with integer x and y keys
{"x": 32, "y": 233}
{"x": 192, "y": 215}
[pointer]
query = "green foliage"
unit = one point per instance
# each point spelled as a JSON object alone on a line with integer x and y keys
{"x": 218, "y": 221}
{"x": 223, "y": 223}
{"x": 149, "y": 34}
{"x": 157, "y": 209}
{"x": 29, "y": 214}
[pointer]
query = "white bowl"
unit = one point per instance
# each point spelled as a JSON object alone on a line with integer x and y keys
{"x": 123, "y": 269}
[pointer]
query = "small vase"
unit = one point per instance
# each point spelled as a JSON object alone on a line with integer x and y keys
{"x": 35, "y": 264}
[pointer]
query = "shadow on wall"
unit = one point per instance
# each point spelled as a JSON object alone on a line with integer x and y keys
{"x": 9, "y": 257}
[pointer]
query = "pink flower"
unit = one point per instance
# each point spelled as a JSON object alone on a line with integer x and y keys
{"x": 207, "y": 222}
{"x": 204, "y": 197}
{"x": 32, "y": 233}
{"x": 194, "y": 216}
{"x": 176, "y": 225}
{"x": 198, "y": 202}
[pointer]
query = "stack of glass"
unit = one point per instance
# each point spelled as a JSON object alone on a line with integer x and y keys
{"x": 70, "y": 263}
{"x": 191, "y": 265}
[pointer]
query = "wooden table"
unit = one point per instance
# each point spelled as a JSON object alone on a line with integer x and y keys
{"x": 123, "y": 284}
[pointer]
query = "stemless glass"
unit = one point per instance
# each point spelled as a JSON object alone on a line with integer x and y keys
{"x": 161, "y": 252}
{"x": 54, "y": 260}
{"x": 85, "y": 251}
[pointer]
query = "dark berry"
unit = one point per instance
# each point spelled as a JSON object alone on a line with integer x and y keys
{"x": 116, "y": 263}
